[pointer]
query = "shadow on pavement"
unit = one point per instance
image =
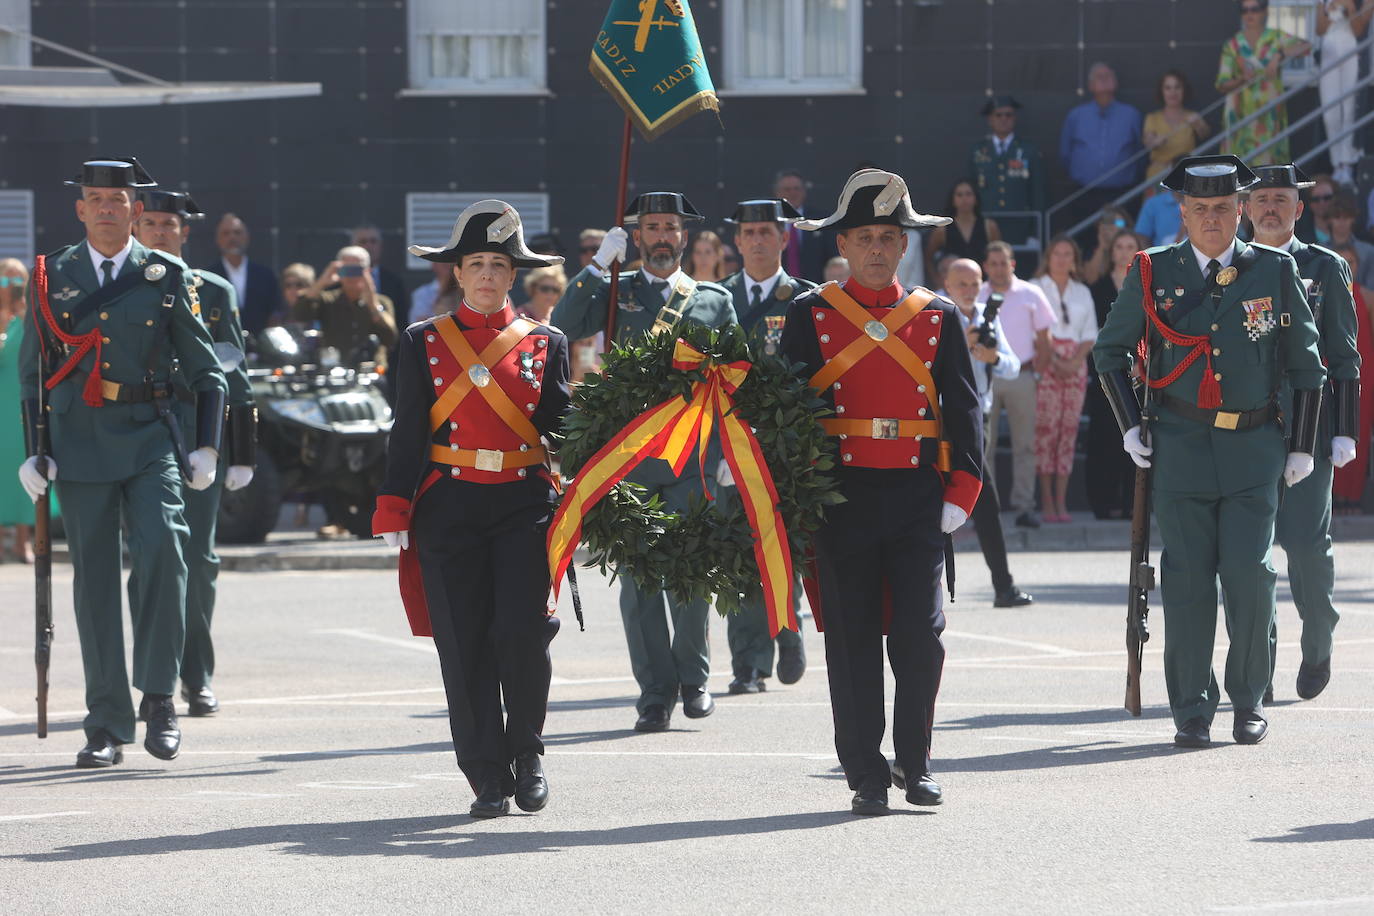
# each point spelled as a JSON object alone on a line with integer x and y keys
{"x": 1063, "y": 717}
{"x": 430, "y": 748}
{"x": 1078, "y": 593}
{"x": 28, "y": 728}
{"x": 450, "y": 836}
{"x": 627, "y": 703}
{"x": 569, "y": 738}
{"x": 69, "y": 775}
{"x": 1087, "y": 753}
{"x": 1324, "y": 833}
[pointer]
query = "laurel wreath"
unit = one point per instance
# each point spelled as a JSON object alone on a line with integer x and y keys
{"x": 707, "y": 550}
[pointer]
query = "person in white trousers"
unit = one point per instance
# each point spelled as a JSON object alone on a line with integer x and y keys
{"x": 1340, "y": 23}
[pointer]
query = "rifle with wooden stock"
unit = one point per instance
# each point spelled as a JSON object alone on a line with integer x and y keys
{"x": 1142, "y": 574}
{"x": 42, "y": 514}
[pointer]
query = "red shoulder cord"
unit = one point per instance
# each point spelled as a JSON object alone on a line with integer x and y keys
{"x": 92, "y": 393}
{"x": 1209, "y": 392}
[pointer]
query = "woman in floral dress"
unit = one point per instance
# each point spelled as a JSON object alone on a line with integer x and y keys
{"x": 1251, "y": 75}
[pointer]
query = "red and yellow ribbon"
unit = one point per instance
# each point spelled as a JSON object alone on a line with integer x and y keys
{"x": 668, "y": 431}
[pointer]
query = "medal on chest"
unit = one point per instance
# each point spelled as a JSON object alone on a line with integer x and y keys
{"x": 1259, "y": 317}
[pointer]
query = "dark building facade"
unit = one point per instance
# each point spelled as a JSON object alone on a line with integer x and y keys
{"x": 301, "y": 172}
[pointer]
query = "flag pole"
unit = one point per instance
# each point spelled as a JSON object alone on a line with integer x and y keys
{"x": 613, "y": 298}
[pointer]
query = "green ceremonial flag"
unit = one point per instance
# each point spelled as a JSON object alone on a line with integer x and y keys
{"x": 649, "y": 58}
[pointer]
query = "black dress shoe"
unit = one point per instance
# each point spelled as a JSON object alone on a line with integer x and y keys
{"x": 924, "y": 791}
{"x": 653, "y": 719}
{"x": 531, "y": 788}
{"x": 791, "y": 663}
{"x": 748, "y": 680}
{"x": 163, "y": 740}
{"x": 869, "y": 801}
{"x": 199, "y": 702}
{"x": 1312, "y": 679}
{"x": 697, "y": 702}
{"x": 1027, "y": 520}
{"x": 1268, "y": 696}
{"x": 100, "y": 751}
{"x": 1250, "y": 727}
{"x": 1012, "y": 597}
{"x": 490, "y": 801}
{"x": 1194, "y": 733}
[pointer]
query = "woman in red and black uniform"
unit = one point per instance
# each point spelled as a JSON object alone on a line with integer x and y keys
{"x": 468, "y": 497}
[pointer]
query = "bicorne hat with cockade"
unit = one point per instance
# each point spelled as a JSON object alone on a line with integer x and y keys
{"x": 1281, "y": 176}
{"x": 175, "y": 202}
{"x": 767, "y": 210}
{"x": 123, "y": 172}
{"x": 661, "y": 202}
{"x": 488, "y": 225}
{"x": 1209, "y": 176}
{"x": 872, "y": 197}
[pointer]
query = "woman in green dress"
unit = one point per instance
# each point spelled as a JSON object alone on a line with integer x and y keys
{"x": 1251, "y": 75}
{"x": 16, "y": 509}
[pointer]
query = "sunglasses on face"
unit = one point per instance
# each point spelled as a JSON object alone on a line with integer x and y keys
{"x": 16, "y": 282}
{"x": 548, "y": 288}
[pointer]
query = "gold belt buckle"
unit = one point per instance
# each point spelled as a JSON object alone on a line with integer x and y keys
{"x": 490, "y": 460}
{"x": 1227, "y": 419}
{"x": 109, "y": 390}
{"x": 886, "y": 427}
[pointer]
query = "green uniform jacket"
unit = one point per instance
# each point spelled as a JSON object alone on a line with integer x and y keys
{"x": 117, "y": 440}
{"x": 1253, "y": 351}
{"x": 1014, "y": 180}
{"x": 219, "y": 312}
{"x": 765, "y": 327}
{"x": 1333, "y": 308}
{"x": 582, "y": 310}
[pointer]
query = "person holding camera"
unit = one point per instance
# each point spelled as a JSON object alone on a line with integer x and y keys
{"x": 993, "y": 357}
{"x": 346, "y": 304}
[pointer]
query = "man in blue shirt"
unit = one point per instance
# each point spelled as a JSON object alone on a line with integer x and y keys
{"x": 1159, "y": 220}
{"x": 1097, "y": 138}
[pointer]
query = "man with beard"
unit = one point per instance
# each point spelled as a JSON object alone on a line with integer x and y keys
{"x": 1303, "y": 527}
{"x": 653, "y": 300}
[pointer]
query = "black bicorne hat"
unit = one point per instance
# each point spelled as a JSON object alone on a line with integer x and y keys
{"x": 123, "y": 172}
{"x": 999, "y": 101}
{"x": 1281, "y": 176}
{"x": 1209, "y": 176}
{"x": 872, "y": 197}
{"x": 768, "y": 210}
{"x": 177, "y": 202}
{"x": 661, "y": 202}
{"x": 488, "y": 225}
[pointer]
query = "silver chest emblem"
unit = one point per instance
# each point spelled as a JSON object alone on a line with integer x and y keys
{"x": 154, "y": 272}
{"x": 480, "y": 375}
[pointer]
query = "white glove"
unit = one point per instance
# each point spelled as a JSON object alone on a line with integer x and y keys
{"x": 399, "y": 539}
{"x": 33, "y": 482}
{"x": 1298, "y": 466}
{"x": 951, "y": 518}
{"x": 1342, "y": 450}
{"x": 202, "y": 461}
{"x": 237, "y": 477}
{"x": 1138, "y": 450}
{"x": 723, "y": 475}
{"x": 612, "y": 248}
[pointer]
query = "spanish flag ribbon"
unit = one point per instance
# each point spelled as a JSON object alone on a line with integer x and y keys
{"x": 668, "y": 431}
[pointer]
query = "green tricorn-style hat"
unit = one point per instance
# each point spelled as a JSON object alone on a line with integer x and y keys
{"x": 488, "y": 225}
{"x": 1281, "y": 176}
{"x": 767, "y": 210}
{"x": 176, "y": 202}
{"x": 1209, "y": 176}
{"x": 123, "y": 172}
{"x": 661, "y": 202}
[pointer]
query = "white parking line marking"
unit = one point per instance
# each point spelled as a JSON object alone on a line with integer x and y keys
{"x": 413, "y": 644}
{"x": 356, "y": 785}
{"x": 36, "y": 817}
{"x": 5, "y": 712}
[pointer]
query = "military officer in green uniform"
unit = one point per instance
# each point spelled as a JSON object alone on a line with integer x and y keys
{"x": 1008, "y": 169}
{"x": 762, "y": 292}
{"x": 1303, "y": 528}
{"x": 653, "y": 300}
{"x": 113, "y": 318}
{"x": 165, "y": 225}
{"x": 1226, "y": 325}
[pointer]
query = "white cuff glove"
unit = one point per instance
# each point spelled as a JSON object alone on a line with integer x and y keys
{"x": 723, "y": 475}
{"x": 613, "y": 248}
{"x": 33, "y": 482}
{"x": 202, "y": 462}
{"x": 1298, "y": 466}
{"x": 399, "y": 539}
{"x": 1138, "y": 450}
{"x": 237, "y": 477}
{"x": 1342, "y": 451}
{"x": 951, "y": 518}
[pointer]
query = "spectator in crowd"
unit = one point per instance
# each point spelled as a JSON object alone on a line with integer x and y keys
{"x": 990, "y": 359}
{"x": 705, "y": 257}
{"x": 295, "y": 279}
{"x": 1250, "y": 75}
{"x": 437, "y": 297}
{"x": 1097, "y": 143}
{"x": 1026, "y": 320}
{"x": 968, "y": 235}
{"x": 369, "y": 237}
{"x": 1110, "y": 473}
{"x": 345, "y": 302}
{"x": 1347, "y": 487}
{"x": 1109, "y": 222}
{"x": 806, "y": 253}
{"x": 1009, "y": 171}
{"x": 1064, "y": 383}
{"x": 1174, "y": 130}
{"x": 256, "y": 284}
{"x": 1319, "y": 198}
{"x": 544, "y": 286}
{"x": 836, "y": 270}
{"x": 1160, "y": 222}
{"x": 588, "y": 244}
{"x": 16, "y": 509}
{"x": 1341, "y": 220}
{"x": 1341, "y": 24}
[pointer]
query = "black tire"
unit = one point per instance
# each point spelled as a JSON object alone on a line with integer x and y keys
{"x": 247, "y": 516}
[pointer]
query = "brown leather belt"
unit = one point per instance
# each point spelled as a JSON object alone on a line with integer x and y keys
{"x": 880, "y": 428}
{"x": 485, "y": 459}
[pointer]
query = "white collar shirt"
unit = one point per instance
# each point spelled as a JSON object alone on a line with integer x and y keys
{"x": 119, "y": 258}
{"x": 1224, "y": 259}
{"x": 671, "y": 281}
{"x": 767, "y": 285}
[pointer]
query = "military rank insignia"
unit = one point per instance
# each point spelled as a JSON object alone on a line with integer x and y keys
{"x": 1259, "y": 316}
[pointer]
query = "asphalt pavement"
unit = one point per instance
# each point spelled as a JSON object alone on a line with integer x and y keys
{"x": 327, "y": 783}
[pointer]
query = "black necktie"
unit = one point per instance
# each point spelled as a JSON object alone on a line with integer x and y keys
{"x": 107, "y": 267}
{"x": 757, "y": 290}
{"x": 1212, "y": 267}
{"x": 658, "y": 286}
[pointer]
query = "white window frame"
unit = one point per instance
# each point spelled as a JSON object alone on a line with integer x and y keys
{"x": 425, "y": 227}
{"x": 423, "y": 85}
{"x": 15, "y": 50}
{"x": 795, "y": 82}
{"x": 16, "y": 207}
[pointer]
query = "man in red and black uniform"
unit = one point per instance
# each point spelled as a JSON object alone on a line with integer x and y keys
{"x": 895, "y": 367}
{"x": 468, "y": 498}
